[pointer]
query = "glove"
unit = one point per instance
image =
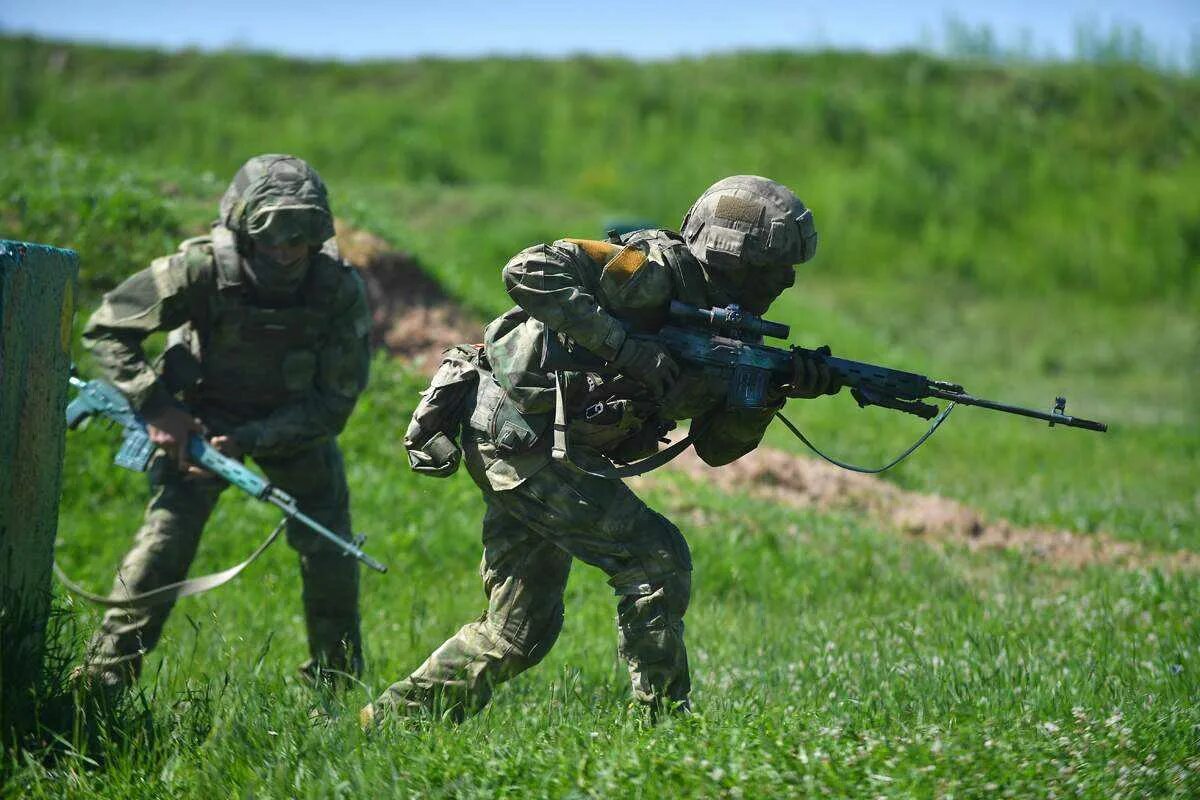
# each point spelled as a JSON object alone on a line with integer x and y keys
{"x": 648, "y": 363}
{"x": 810, "y": 376}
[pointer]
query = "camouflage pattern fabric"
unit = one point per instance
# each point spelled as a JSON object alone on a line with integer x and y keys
{"x": 280, "y": 380}
{"x": 749, "y": 232}
{"x": 530, "y": 535}
{"x": 166, "y": 544}
{"x": 542, "y": 513}
{"x": 561, "y": 286}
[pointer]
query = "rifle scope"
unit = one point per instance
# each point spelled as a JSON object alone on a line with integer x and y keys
{"x": 729, "y": 320}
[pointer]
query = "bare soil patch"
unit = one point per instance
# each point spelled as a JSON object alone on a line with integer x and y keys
{"x": 411, "y": 316}
{"x": 415, "y": 320}
{"x": 810, "y": 484}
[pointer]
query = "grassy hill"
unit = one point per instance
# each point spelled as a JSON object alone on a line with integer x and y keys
{"x": 1022, "y": 230}
{"x": 1018, "y": 178}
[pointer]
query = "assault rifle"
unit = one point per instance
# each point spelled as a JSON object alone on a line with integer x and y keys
{"x": 725, "y": 337}
{"x": 730, "y": 340}
{"x": 99, "y": 398}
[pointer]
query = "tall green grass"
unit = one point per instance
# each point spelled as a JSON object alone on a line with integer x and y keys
{"x": 1022, "y": 179}
{"x": 1022, "y": 230}
{"x": 1128, "y": 364}
{"x": 829, "y": 657}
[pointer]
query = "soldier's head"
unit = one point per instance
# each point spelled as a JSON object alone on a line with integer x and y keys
{"x": 278, "y": 208}
{"x": 748, "y": 233}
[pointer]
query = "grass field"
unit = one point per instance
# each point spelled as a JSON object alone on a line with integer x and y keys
{"x": 830, "y": 656}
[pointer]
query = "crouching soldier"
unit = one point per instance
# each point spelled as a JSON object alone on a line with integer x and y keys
{"x": 738, "y": 245}
{"x": 267, "y": 355}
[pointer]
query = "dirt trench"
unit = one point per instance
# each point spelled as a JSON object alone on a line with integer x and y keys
{"x": 411, "y": 316}
{"x": 415, "y": 320}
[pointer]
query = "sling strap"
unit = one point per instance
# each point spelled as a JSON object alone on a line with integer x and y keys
{"x": 560, "y": 450}
{"x": 172, "y": 591}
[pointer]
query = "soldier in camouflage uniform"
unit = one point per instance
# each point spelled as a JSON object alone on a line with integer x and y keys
{"x": 738, "y": 245}
{"x": 268, "y": 351}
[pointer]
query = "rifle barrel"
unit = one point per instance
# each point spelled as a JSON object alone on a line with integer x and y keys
{"x": 1053, "y": 417}
{"x": 287, "y": 504}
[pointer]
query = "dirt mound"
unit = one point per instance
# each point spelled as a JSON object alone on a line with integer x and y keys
{"x": 806, "y": 483}
{"x": 411, "y": 316}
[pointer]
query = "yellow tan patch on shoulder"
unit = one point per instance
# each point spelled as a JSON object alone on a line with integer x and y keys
{"x": 598, "y": 251}
{"x": 624, "y": 264}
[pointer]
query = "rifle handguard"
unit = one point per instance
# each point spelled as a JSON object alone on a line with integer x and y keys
{"x": 916, "y": 407}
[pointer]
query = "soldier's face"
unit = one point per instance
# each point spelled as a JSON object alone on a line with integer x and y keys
{"x": 283, "y": 253}
{"x": 754, "y": 288}
{"x": 277, "y": 267}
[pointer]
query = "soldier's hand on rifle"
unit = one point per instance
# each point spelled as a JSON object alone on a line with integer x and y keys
{"x": 228, "y": 447}
{"x": 648, "y": 363}
{"x": 169, "y": 429}
{"x": 810, "y": 376}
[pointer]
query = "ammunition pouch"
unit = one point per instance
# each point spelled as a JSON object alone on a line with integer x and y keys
{"x": 433, "y": 432}
{"x": 498, "y": 418}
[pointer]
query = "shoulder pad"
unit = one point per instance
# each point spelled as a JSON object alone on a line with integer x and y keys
{"x": 226, "y": 257}
{"x": 633, "y": 285}
{"x": 598, "y": 251}
{"x": 330, "y": 250}
{"x": 619, "y": 261}
{"x": 197, "y": 254}
{"x": 335, "y": 283}
{"x": 187, "y": 244}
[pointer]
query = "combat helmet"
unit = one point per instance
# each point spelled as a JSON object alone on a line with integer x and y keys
{"x": 747, "y": 232}
{"x": 752, "y": 220}
{"x": 280, "y": 197}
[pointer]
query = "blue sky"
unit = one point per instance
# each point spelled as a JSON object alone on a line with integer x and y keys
{"x": 374, "y": 29}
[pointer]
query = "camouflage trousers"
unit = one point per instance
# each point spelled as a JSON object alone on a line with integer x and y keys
{"x": 166, "y": 545}
{"x": 530, "y": 535}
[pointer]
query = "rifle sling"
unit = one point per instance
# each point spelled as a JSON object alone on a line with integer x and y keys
{"x": 866, "y": 470}
{"x": 172, "y": 591}
{"x": 560, "y": 450}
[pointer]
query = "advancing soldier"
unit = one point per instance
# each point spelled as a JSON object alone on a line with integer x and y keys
{"x": 738, "y": 246}
{"x": 269, "y": 352}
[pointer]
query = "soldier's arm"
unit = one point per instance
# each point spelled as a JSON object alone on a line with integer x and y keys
{"x": 161, "y": 297}
{"x": 729, "y": 434}
{"x": 343, "y": 362}
{"x": 555, "y": 284}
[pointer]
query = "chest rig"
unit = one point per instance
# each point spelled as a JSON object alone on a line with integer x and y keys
{"x": 608, "y": 413}
{"x": 252, "y": 358}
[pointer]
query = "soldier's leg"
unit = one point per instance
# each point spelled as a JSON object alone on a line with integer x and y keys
{"x": 603, "y": 523}
{"x": 317, "y": 479}
{"x": 523, "y": 577}
{"x": 162, "y": 552}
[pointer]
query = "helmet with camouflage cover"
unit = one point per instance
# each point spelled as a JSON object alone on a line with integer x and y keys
{"x": 277, "y": 198}
{"x": 277, "y": 209}
{"x": 747, "y": 232}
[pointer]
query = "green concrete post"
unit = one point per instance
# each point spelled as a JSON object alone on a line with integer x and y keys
{"x": 37, "y": 291}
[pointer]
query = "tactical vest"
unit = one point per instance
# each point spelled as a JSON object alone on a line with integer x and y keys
{"x": 605, "y": 415}
{"x": 253, "y": 359}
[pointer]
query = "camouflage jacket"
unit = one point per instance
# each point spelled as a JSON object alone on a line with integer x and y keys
{"x": 590, "y": 291}
{"x": 277, "y": 380}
